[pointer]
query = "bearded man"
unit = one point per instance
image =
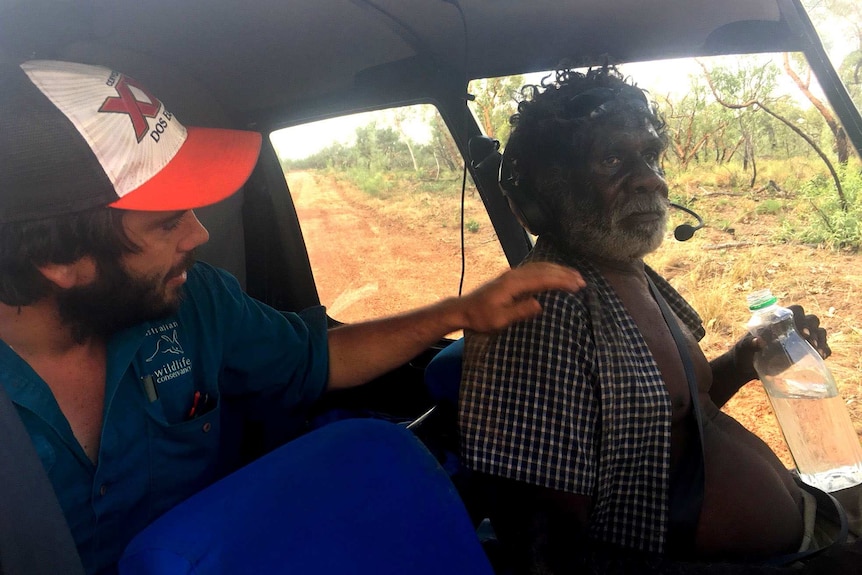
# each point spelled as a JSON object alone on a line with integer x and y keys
{"x": 119, "y": 352}
{"x": 595, "y": 427}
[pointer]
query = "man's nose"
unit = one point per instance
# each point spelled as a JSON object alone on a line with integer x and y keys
{"x": 196, "y": 234}
{"x": 647, "y": 178}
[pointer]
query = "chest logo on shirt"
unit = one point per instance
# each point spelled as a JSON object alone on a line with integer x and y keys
{"x": 167, "y": 344}
{"x": 167, "y": 351}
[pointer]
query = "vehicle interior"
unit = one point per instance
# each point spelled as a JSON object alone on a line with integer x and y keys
{"x": 268, "y": 65}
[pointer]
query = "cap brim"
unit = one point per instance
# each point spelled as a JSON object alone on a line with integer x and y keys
{"x": 211, "y": 165}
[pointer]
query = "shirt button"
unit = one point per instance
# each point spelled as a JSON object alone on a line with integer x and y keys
{"x": 103, "y": 490}
{"x": 207, "y": 426}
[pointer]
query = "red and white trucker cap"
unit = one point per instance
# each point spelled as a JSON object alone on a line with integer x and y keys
{"x": 75, "y": 137}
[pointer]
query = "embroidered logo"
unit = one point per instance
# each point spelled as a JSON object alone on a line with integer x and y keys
{"x": 167, "y": 344}
{"x": 128, "y": 103}
{"x": 168, "y": 360}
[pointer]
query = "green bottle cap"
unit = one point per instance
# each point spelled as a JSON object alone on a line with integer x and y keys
{"x": 760, "y": 299}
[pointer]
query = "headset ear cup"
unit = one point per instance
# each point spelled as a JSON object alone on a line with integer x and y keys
{"x": 526, "y": 207}
{"x": 528, "y": 211}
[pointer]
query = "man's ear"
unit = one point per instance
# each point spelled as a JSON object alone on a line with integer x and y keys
{"x": 65, "y": 276}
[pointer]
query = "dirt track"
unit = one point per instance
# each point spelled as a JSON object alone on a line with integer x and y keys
{"x": 373, "y": 257}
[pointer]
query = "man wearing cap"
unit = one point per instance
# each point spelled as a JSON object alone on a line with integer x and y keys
{"x": 596, "y": 426}
{"x": 118, "y": 350}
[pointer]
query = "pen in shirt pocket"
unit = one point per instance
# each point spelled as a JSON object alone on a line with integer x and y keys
{"x": 200, "y": 405}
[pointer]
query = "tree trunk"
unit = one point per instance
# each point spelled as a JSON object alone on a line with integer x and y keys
{"x": 841, "y": 143}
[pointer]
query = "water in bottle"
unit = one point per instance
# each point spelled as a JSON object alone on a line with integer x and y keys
{"x": 812, "y": 415}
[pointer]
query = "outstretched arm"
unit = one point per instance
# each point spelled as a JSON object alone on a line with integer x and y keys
{"x": 360, "y": 352}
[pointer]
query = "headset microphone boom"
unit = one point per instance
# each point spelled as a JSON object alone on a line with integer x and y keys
{"x": 684, "y": 232}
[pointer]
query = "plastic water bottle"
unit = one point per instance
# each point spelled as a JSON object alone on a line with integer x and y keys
{"x": 812, "y": 416}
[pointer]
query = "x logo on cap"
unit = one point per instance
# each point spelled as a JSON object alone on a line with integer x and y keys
{"x": 127, "y": 103}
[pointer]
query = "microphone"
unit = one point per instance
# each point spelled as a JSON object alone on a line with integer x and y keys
{"x": 684, "y": 232}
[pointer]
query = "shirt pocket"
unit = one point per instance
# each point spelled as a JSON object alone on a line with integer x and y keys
{"x": 184, "y": 456}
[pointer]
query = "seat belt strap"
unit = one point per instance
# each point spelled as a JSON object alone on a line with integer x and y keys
{"x": 35, "y": 538}
{"x": 687, "y": 482}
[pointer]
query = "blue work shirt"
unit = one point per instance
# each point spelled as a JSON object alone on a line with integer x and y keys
{"x": 155, "y": 449}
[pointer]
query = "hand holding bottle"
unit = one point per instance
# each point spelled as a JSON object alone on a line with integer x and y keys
{"x": 812, "y": 415}
{"x": 808, "y": 326}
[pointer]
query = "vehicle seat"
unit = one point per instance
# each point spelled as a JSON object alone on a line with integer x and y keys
{"x": 443, "y": 381}
{"x": 443, "y": 374}
{"x": 359, "y": 496}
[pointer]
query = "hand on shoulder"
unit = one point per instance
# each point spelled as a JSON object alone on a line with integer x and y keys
{"x": 510, "y": 297}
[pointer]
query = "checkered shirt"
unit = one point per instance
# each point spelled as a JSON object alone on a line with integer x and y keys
{"x": 573, "y": 401}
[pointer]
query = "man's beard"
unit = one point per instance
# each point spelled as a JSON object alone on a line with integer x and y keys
{"x": 589, "y": 231}
{"x": 117, "y": 300}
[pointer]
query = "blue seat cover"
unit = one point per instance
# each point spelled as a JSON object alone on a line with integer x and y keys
{"x": 443, "y": 374}
{"x": 357, "y": 496}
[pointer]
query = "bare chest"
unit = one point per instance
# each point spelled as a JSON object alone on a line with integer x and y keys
{"x": 647, "y": 315}
{"x": 79, "y": 389}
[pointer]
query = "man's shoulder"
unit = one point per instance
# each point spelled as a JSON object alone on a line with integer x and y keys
{"x": 564, "y": 314}
{"x": 202, "y": 273}
{"x": 210, "y": 292}
{"x": 556, "y": 303}
{"x": 545, "y": 251}
{"x": 217, "y": 292}
{"x": 205, "y": 278}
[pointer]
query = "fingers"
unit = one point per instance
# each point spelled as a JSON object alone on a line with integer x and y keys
{"x": 809, "y": 326}
{"x": 743, "y": 355}
{"x": 750, "y": 344}
{"x": 492, "y": 316}
{"x": 818, "y": 341}
{"x": 519, "y": 311}
{"x": 798, "y": 313}
{"x": 542, "y": 276}
{"x": 509, "y": 298}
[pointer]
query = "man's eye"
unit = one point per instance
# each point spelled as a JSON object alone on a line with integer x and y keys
{"x": 172, "y": 224}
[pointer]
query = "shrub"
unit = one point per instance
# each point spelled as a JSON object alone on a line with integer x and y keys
{"x": 820, "y": 218}
{"x": 371, "y": 181}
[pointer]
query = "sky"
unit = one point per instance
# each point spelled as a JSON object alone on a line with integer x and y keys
{"x": 299, "y": 142}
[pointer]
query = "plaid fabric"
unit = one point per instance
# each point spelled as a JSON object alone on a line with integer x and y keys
{"x": 573, "y": 401}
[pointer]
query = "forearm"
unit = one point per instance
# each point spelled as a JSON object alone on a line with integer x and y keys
{"x": 360, "y": 352}
{"x": 728, "y": 376}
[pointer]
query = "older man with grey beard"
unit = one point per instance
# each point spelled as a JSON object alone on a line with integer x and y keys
{"x": 595, "y": 428}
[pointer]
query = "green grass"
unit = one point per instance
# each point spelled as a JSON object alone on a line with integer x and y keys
{"x": 769, "y": 206}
